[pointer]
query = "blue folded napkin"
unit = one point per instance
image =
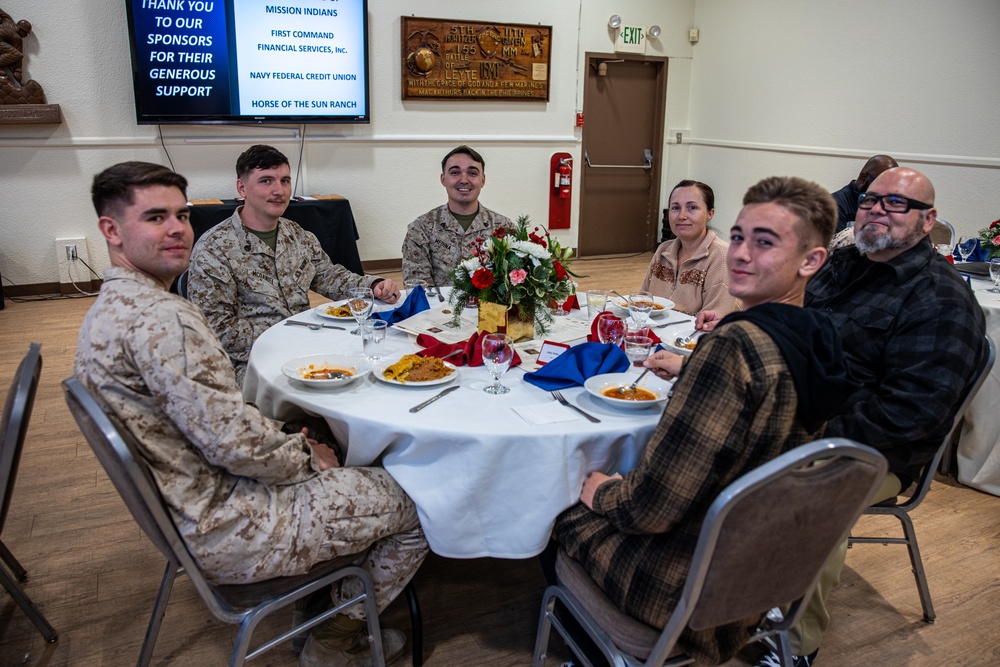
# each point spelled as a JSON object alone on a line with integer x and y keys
{"x": 574, "y": 366}
{"x": 978, "y": 254}
{"x": 415, "y": 302}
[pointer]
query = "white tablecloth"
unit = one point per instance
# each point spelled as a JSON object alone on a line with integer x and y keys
{"x": 485, "y": 481}
{"x": 979, "y": 447}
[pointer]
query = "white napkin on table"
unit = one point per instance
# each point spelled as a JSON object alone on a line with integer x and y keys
{"x": 545, "y": 413}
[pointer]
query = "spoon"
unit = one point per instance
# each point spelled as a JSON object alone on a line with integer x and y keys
{"x": 627, "y": 302}
{"x": 686, "y": 340}
{"x": 631, "y": 387}
{"x": 330, "y": 375}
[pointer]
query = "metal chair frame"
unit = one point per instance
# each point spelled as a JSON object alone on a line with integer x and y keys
{"x": 244, "y": 605}
{"x": 901, "y": 508}
{"x": 16, "y": 415}
{"x": 866, "y": 466}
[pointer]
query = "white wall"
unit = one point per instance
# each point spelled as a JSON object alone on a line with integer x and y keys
{"x": 388, "y": 169}
{"x": 815, "y": 88}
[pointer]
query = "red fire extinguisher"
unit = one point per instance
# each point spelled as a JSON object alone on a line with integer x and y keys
{"x": 564, "y": 179}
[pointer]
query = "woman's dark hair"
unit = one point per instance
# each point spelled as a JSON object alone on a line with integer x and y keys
{"x": 706, "y": 192}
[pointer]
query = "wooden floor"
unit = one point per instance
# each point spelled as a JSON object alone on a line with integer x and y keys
{"x": 95, "y": 576}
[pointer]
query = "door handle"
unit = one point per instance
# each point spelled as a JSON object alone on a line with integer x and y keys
{"x": 647, "y": 162}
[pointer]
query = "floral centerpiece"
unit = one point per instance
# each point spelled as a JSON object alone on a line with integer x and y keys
{"x": 519, "y": 270}
{"x": 989, "y": 239}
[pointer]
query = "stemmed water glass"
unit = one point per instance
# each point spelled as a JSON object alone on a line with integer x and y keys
{"x": 640, "y": 305}
{"x": 610, "y": 329}
{"x": 995, "y": 274}
{"x": 966, "y": 245}
{"x": 498, "y": 352}
{"x": 360, "y": 300}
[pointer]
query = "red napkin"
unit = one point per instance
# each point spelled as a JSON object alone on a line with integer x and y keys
{"x": 471, "y": 352}
{"x": 592, "y": 337}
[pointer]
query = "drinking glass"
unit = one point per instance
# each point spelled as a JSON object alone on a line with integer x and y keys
{"x": 610, "y": 329}
{"x": 640, "y": 305}
{"x": 637, "y": 348}
{"x": 373, "y": 338}
{"x": 498, "y": 352}
{"x": 597, "y": 302}
{"x": 966, "y": 245}
{"x": 360, "y": 300}
{"x": 995, "y": 274}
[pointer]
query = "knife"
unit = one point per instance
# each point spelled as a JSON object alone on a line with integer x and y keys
{"x": 667, "y": 324}
{"x": 314, "y": 325}
{"x": 418, "y": 408}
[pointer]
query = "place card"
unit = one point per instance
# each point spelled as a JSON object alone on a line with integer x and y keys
{"x": 549, "y": 351}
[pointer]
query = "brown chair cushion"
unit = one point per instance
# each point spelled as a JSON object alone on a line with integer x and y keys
{"x": 631, "y": 636}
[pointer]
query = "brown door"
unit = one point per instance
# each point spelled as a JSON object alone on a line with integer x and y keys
{"x": 623, "y": 108}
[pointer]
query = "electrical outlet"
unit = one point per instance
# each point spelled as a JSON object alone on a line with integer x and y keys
{"x": 68, "y": 251}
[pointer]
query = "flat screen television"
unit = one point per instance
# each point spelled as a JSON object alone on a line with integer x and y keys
{"x": 249, "y": 61}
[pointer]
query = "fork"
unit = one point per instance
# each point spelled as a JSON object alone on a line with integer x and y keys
{"x": 559, "y": 397}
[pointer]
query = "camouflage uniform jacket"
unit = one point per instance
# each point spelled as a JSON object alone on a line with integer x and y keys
{"x": 243, "y": 293}
{"x": 435, "y": 243}
{"x": 701, "y": 282}
{"x": 247, "y": 498}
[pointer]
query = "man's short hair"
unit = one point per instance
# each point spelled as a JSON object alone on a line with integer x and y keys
{"x": 259, "y": 156}
{"x": 113, "y": 188}
{"x": 464, "y": 150}
{"x": 812, "y": 204}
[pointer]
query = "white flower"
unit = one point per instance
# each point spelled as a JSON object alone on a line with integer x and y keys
{"x": 529, "y": 249}
{"x": 470, "y": 265}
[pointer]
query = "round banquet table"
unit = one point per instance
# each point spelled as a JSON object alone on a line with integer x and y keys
{"x": 978, "y": 449}
{"x": 485, "y": 481}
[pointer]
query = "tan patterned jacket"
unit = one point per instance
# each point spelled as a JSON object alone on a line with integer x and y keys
{"x": 435, "y": 243}
{"x": 246, "y": 497}
{"x": 702, "y": 283}
{"x": 245, "y": 292}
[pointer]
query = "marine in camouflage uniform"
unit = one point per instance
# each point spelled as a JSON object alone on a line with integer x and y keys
{"x": 249, "y": 500}
{"x": 435, "y": 243}
{"x": 245, "y": 292}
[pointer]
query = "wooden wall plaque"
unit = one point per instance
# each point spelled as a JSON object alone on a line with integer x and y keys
{"x": 474, "y": 60}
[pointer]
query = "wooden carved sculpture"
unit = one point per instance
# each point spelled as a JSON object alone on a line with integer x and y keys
{"x": 13, "y": 90}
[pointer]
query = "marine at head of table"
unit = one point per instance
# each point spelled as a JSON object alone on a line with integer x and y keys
{"x": 690, "y": 269}
{"x": 438, "y": 240}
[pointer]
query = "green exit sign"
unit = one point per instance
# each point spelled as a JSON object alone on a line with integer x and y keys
{"x": 631, "y": 39}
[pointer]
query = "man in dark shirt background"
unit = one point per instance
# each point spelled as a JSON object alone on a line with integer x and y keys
{"x": 912, "y": 334}
{"x": 847, "y": 196}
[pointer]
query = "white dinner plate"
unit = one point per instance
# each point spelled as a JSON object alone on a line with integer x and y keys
{"x": 621, "y": 305}
{"x": 321, "y": 311}
{"x": 668, "y": 342}
{"x": 296, "y": 369}
{"x": 380, "y": 307}
{"x": 382, "y": 365}
{"x": 598, "y": 384}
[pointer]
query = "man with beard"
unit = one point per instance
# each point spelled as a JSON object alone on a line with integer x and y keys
{"x": 912, "y": 334}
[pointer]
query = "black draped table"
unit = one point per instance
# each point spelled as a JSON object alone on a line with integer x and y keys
{"x": 330, "y": 220}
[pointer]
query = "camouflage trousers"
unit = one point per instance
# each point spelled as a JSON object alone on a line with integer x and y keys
{"x": 367, "y": 510}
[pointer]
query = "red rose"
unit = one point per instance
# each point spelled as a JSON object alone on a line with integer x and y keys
{"x": 995, "y": 223}
{"x": 996, "y": 240}
{"x": 482, "y": 278}
{"x": 500, "y": 232}
{"x": 560, "y": 271}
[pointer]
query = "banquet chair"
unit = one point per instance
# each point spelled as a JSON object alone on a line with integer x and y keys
{"x": 943, "y": 232}
{"x": 244, "y": 604}
{"x": 901, "y": 506}
{"x": 762, "y": 545}
{"x": 14, "y": 428}
{"x": 182, "y": 285}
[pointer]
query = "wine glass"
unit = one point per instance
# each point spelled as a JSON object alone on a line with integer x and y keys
{"x": 498, "y": 352}
{"x": 360, "y": 300}
{"x": 640, "y": 305}
{"x": 610, "y": 329}
{"x": 995, "y": 274}
{"x": 966, "y": 245}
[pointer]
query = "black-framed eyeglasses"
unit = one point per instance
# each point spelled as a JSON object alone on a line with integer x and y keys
{"x": 891, "y": 203}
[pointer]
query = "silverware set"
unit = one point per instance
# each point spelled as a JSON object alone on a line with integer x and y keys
{"x": 559, "y": 397}
{"x": 312, "y": 325}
